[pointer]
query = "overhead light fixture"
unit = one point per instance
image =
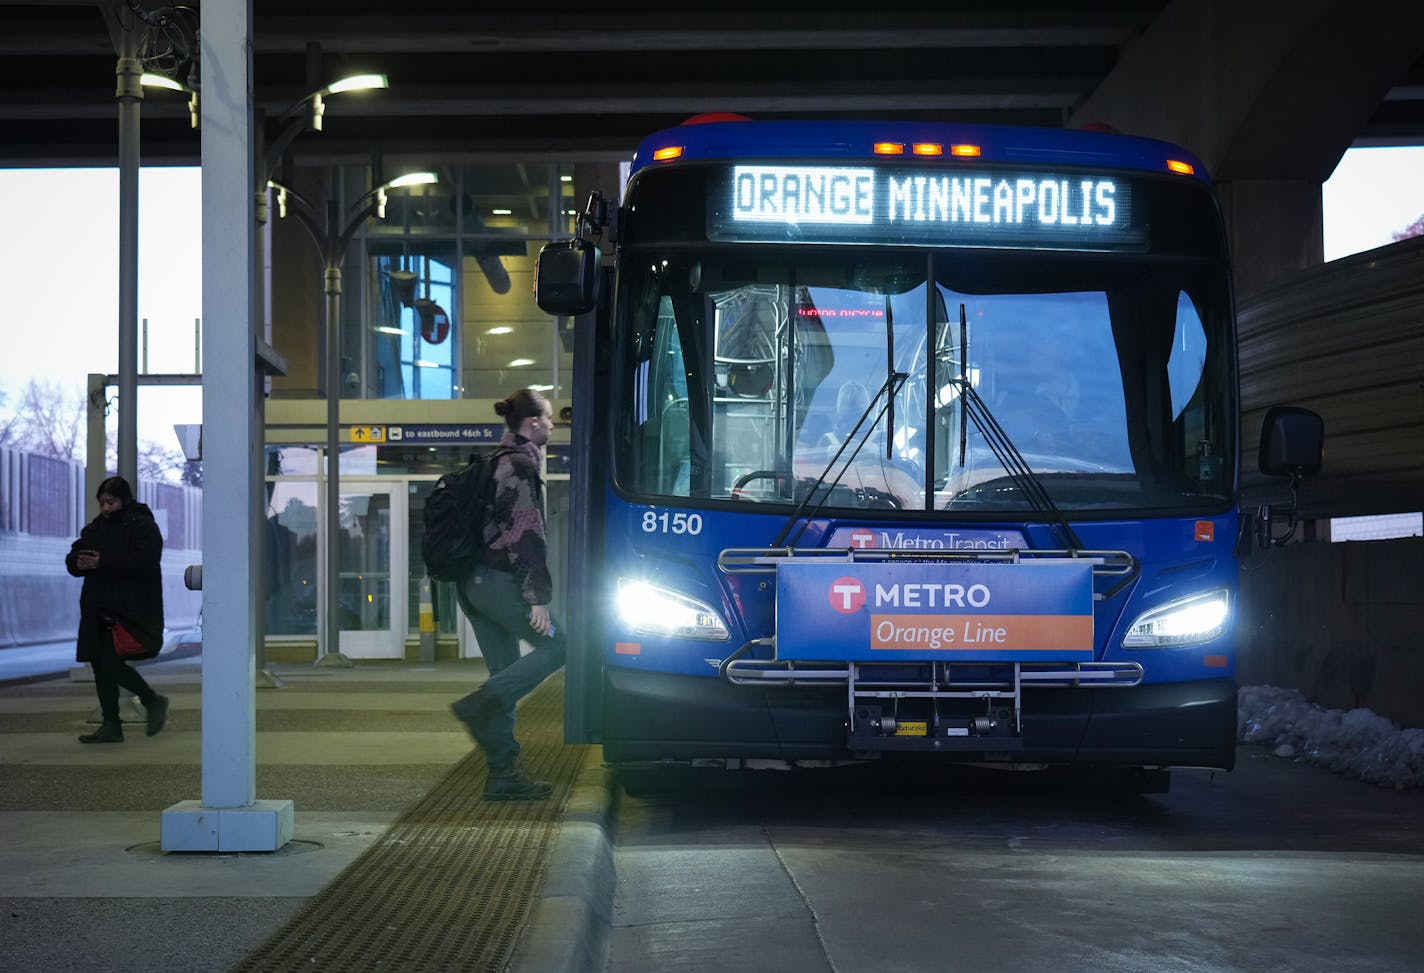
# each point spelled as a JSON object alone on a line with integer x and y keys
{"x": 151, "y": 80}
{"x": 159, "y": 81}
{"x": 358, "y": 82}
{"x": 521, "y": 363}
{"x": 413, "y": 179}
{"x": 501, "y": 212}
{"x": 409, "y": 179}
{"x": 387, "y": 329}
{"x": 501, "y": 329}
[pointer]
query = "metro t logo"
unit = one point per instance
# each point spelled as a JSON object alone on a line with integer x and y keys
{"x": 847, "y": 595}
{"x": 862, "y": 537}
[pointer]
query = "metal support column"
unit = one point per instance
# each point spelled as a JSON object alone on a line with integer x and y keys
{"x": 130, "y": 97}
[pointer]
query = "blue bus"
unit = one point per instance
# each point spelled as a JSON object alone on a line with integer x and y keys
{"x": 898, "y": 440}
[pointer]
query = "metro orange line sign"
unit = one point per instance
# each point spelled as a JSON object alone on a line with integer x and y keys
{"x": 950, "y": 611}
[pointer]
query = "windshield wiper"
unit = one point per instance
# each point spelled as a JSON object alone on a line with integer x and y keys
{"x": 889, "y": 389}
{"x": 1019, "y": 471}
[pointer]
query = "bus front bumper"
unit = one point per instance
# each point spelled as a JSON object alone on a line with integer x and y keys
{"x": 660, "y": 716}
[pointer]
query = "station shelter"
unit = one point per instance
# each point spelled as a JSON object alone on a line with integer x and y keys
{"x": 437, "y": 322}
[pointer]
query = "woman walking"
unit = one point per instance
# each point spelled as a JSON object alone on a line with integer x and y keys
{"x": 117, "y": 554}
{"x": 507, "y": 599}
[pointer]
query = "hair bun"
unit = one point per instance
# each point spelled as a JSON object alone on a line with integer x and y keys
{"x": 501, "y": 408}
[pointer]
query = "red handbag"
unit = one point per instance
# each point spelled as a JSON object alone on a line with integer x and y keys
{"x": 125, "y": 643}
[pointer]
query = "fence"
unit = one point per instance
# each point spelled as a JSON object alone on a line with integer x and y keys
{"x": 42, "y": 509}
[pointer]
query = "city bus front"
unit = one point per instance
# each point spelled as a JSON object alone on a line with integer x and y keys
{"x": 918, "y": 458}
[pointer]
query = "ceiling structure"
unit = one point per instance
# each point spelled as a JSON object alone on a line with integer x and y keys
{"x": 580, "y": 78}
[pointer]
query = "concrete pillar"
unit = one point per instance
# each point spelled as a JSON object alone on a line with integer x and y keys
{"x": 1275, "y": 228}
{"x": 229, "y": 818}
{"x": 1269, "y": 95}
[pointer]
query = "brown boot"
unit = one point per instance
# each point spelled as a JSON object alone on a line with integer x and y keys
{"x": 108, "y": 732}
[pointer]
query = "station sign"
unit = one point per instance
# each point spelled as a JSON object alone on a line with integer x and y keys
{"x": 444, "y": 433}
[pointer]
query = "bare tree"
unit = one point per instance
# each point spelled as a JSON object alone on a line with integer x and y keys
{"x": 1412, "y": 230}
{"x": 158, "y": 462}
{"x": 9, "y": 422}
{"x": 51, "y": 422}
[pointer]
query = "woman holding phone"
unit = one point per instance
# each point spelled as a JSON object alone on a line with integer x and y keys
{"x": 117, "y": 554}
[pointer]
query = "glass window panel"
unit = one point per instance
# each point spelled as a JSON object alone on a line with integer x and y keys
{"x": 364, "y": 583}
{"x": 291, "y": 556}
{"x": 746, "y": 380}
{"x": 442, "y": 593}
{"x": 292, "y": 461}
{"x": 414, "y": 331}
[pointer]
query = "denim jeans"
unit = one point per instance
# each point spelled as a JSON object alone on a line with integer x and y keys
{"x": 497, "y": 611}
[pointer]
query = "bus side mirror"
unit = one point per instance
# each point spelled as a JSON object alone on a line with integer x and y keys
{"x": 1293, "y": 445}
{"x": 1292, "y": 442}
{"x": 566, "y": 277}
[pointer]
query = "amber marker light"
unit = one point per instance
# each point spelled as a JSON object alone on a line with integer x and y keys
{"x": 965, "y": 151}
{"x": 1182, "y": 168}
{"x": 889, "y": 148}
{"x": 667, "y": 152}
{"x": 928, "y": 148}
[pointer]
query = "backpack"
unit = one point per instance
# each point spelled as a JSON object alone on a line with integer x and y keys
{"x": 455, "y": 515}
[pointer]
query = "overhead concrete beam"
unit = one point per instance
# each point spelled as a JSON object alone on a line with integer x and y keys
{"x": 1272, "y": 89}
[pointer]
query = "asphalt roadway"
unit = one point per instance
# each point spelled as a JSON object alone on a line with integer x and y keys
{"x": 1276, "y": 867}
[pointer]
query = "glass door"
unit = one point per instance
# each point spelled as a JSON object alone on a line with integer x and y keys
{"x": 372, "y": 564}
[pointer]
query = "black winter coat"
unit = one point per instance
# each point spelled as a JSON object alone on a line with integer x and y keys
{"x": 127, "y": 584}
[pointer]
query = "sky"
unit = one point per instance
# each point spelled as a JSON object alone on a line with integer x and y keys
{"x": 61, "y": 247}
{"x": 60, "y": 312}
{"x": 1373, "y": 194}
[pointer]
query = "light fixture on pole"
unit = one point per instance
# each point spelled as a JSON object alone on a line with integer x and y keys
{"x": 297, "y": 119}
{"x": 332, "y": 239}
{"x": 151, "y": 80}
{"x": 267, "y": 155}
{"x": 356, "y": 82}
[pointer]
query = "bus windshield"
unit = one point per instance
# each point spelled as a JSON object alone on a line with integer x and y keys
{"x": 741, "y": 380}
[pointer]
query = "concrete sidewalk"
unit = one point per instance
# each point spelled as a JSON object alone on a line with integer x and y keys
{"x": 85, "y": 886}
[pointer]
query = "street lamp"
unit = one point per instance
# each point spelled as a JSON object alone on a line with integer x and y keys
{"x": 331, "y": 239}
{"x": 267, "y": 154}
{"x": 298, "y": 118}
{"x": 150, "y": 80}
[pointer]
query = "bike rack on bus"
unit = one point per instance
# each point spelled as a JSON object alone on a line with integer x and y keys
{"x": 869, "y": 694}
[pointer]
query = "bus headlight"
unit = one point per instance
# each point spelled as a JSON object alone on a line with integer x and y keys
{"x": 652, "y": 610}
{"x": 1199, "y": 618}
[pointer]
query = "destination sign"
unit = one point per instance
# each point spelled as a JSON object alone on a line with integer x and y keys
{"x": 940, "y": 207}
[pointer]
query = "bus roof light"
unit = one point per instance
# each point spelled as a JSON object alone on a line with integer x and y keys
{"x": 1183, "y": 168}
{"x": 667, "y": 152}
{"x": 889, "y": 148}
{"x": 928, "y": 148}
{"x": 964, "y": 150}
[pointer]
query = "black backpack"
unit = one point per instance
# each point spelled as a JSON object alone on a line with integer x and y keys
{"x": 455, "y": 515}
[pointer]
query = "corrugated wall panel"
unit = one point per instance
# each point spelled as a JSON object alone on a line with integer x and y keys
{"x": 1345, "y": 339}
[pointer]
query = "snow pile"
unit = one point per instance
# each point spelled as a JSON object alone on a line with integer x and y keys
{"x": 1358, "y": 743}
